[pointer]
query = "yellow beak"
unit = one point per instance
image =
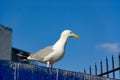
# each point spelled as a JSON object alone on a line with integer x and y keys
{"x": 75, "y": 36}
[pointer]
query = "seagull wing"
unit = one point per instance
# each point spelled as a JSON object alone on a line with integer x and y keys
{"x": 40, "y": 55}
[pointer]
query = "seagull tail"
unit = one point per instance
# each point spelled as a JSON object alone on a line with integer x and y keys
{"x": 23, "y": 56}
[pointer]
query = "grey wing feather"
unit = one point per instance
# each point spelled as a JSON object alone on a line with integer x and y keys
{"x": 42, "y": 53}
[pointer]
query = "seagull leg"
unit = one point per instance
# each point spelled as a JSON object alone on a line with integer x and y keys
{"x": 48, "y": 64}
{"x": 51, "y": 66}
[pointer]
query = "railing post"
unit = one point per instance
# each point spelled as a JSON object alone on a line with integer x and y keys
{"x": 107, "y": 67}
{"x": 101, "y": 68}
{"x": 95, "y": 69}
{"x": 90, "y": 70}
{"x": 113, "y": 66}
{"x": 119, "y": 64}
{"x": 84, "y": 71}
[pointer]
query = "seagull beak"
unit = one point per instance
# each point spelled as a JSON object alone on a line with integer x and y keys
{"x": 75, "y": 35}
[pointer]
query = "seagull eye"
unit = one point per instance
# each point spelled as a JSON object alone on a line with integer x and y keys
{"x": 70, "y": 32}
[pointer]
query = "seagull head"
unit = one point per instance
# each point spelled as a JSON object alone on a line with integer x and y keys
{"x": 69, "y": 33}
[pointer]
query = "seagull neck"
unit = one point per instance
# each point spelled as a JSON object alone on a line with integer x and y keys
{"x": 61, "y": 42}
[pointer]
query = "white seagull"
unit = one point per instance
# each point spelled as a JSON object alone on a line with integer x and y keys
{"x": 51, "y": 54}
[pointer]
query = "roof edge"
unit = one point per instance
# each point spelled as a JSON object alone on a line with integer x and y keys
{"x": 6, "y": 27}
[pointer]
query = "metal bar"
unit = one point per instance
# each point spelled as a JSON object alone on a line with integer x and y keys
{"x": 110, "y": 71}
{"x": 95, "y": 69}
{"x": 101, "y": 68}
{"x": 90, "y": 70}
{"x": 84, "y": 71}
{"x": 107, "y": 67}
{"x": 119, "y": 64}
{"x": 113, "y": 67}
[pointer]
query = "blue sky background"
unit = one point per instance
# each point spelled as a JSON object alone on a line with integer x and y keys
{"x": 38, "y": 23}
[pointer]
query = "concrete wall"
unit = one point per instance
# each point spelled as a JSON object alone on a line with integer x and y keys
{"x": 5, "y": 42}
{"x": 18, "y": 71}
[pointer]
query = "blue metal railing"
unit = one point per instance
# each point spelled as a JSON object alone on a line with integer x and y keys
{"x": 18, "y": 71}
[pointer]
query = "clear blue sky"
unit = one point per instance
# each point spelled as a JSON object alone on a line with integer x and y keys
{"x": 38, "y": 23}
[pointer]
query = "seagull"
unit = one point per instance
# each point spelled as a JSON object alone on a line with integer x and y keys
{"x": 51, "y": 54}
